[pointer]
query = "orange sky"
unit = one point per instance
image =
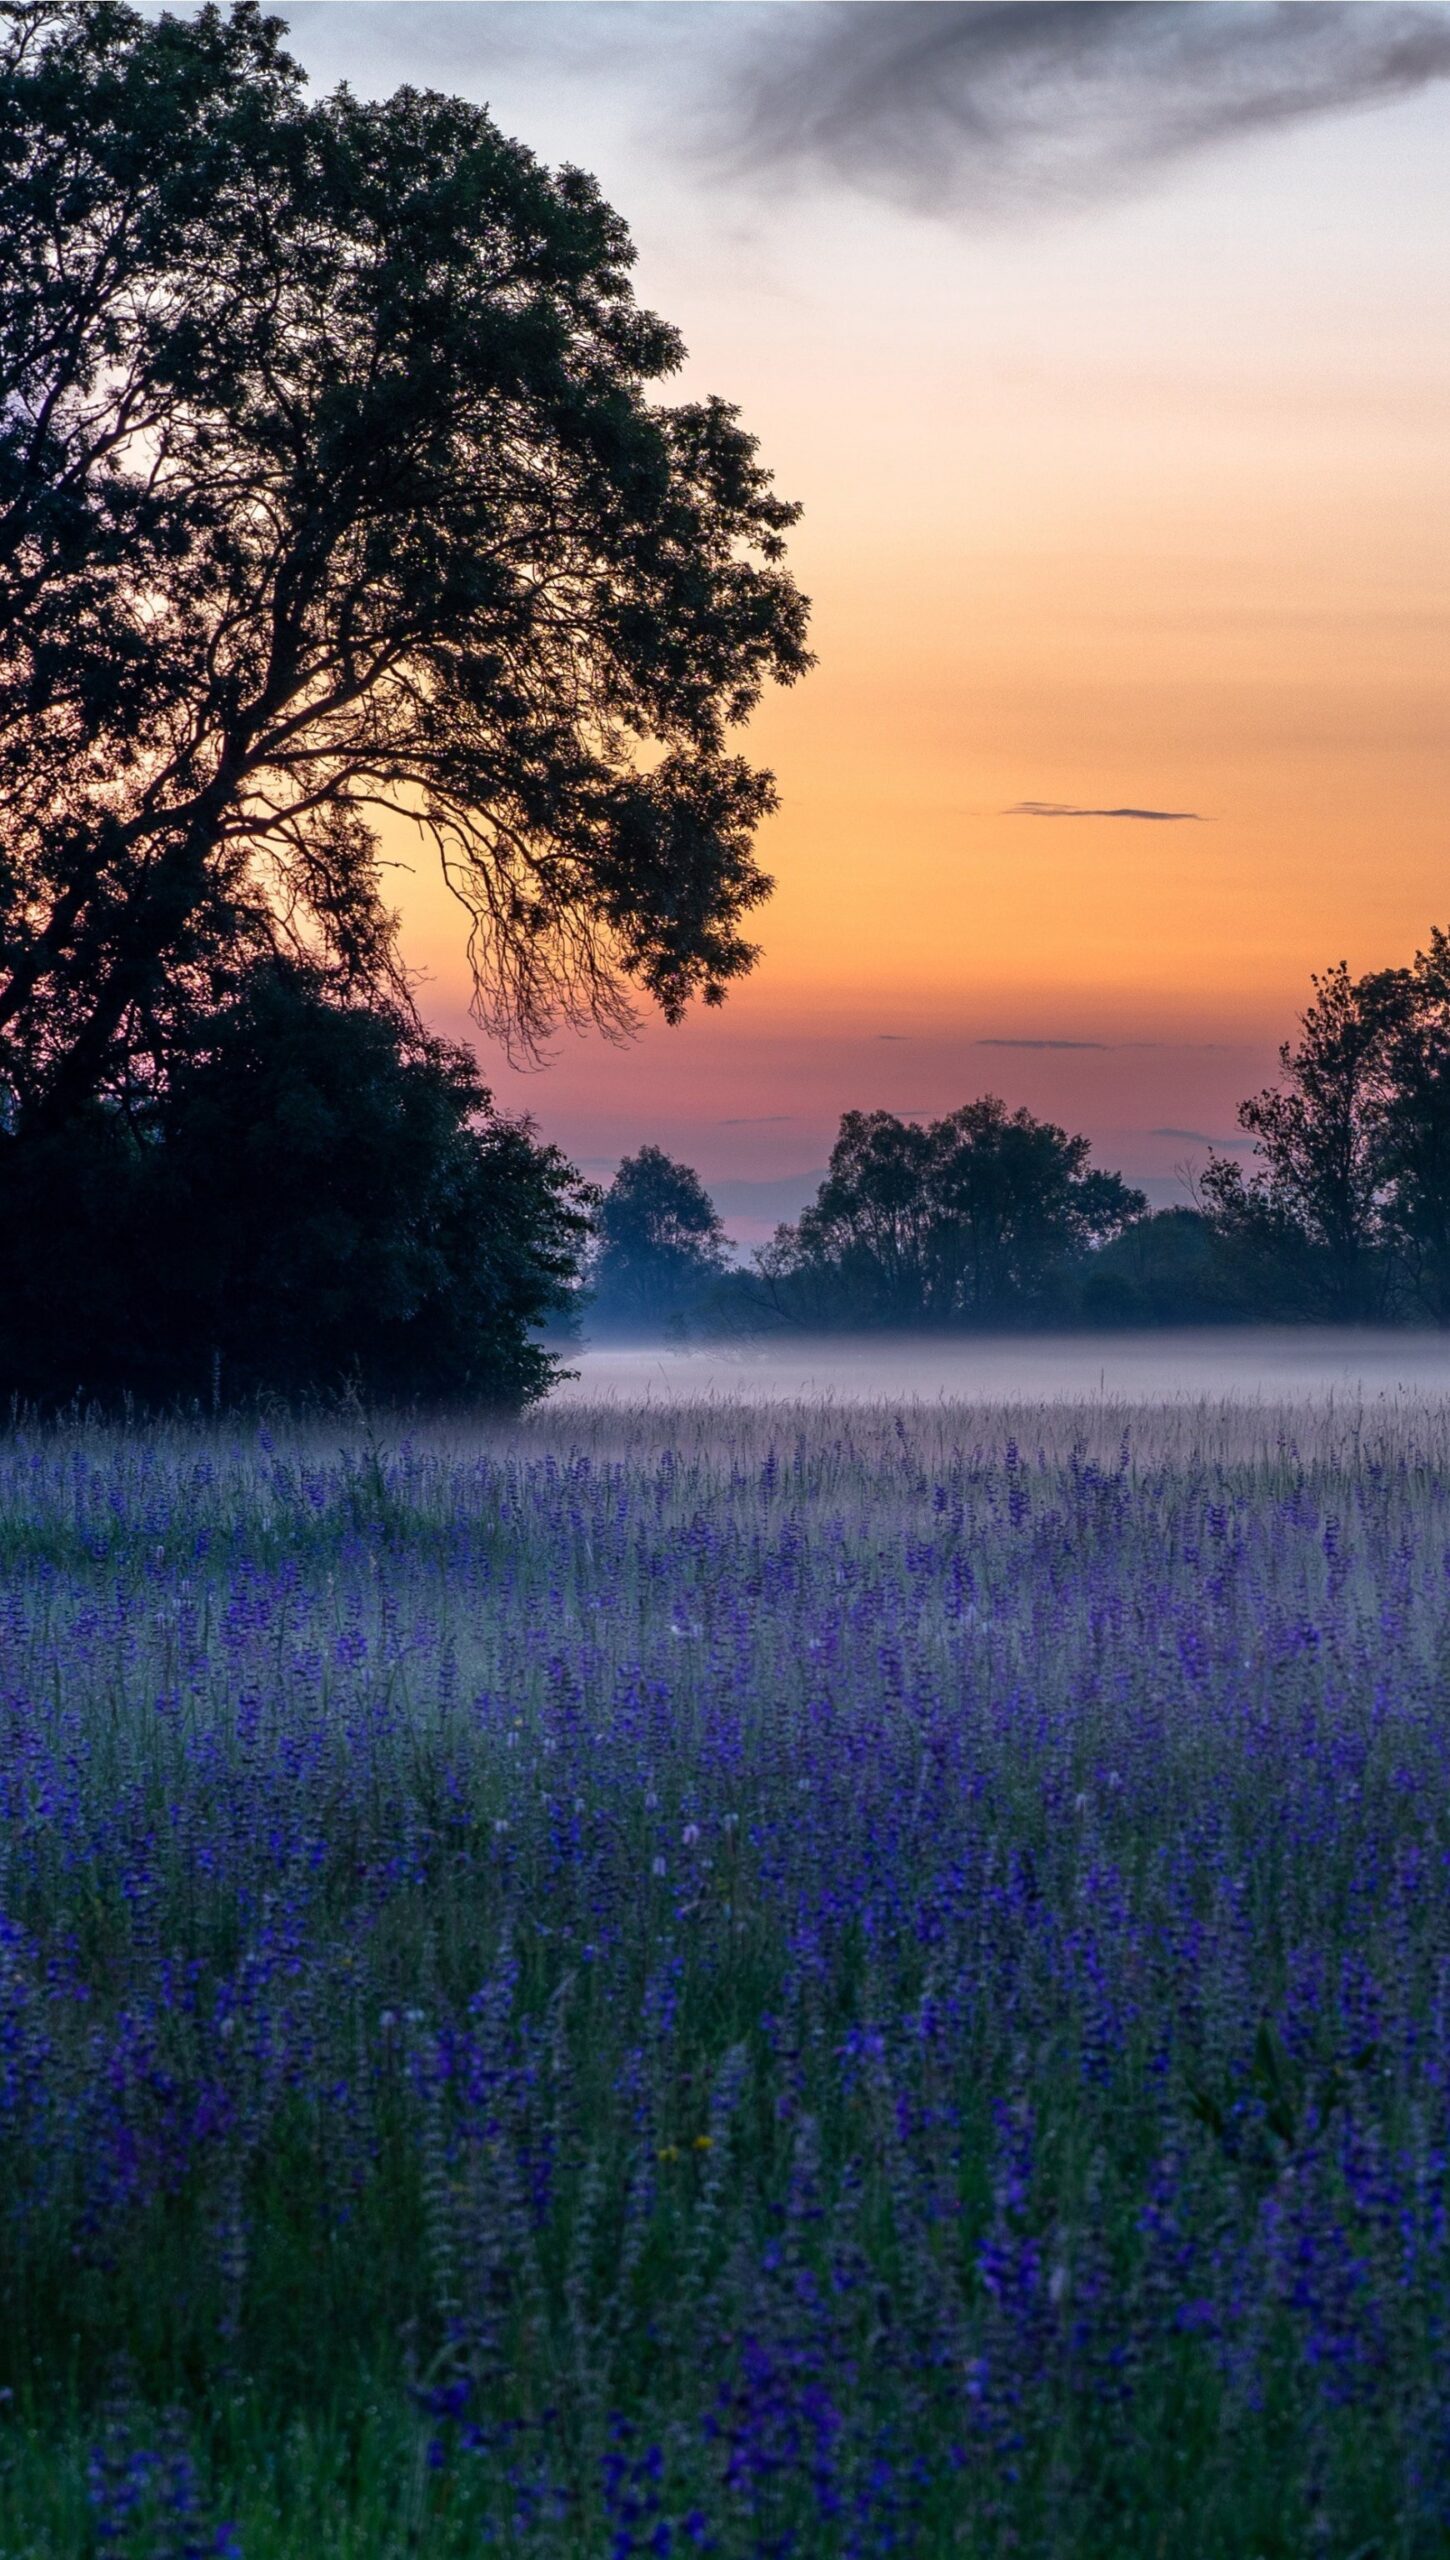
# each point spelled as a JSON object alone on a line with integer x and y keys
{"x": 1135, "y": 503}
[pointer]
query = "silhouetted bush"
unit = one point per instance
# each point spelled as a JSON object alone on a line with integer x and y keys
{"x": 320, "y": 1196}
{"x": 1168, "y": 1268}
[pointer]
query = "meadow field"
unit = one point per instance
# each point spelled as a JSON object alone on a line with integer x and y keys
{"x": 754, "y": 1978}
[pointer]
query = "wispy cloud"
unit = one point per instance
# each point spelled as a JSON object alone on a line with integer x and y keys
{"x": 975, "y": 107}
{"x": 758, "y": 1120}
{"x": 1199, "y": 1138}
{"x": 1159, "y": 817}
{"x": 1042, "y": 1044}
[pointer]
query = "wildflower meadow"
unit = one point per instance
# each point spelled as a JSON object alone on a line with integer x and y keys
{"x": 757, "y": 1981}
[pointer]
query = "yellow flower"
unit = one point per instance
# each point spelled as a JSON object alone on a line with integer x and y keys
{"x": 704, "y": 2142}
{"x": 668, "y": 2151}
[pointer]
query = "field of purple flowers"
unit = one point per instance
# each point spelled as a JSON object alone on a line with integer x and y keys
{"x": 754, "y": 1982}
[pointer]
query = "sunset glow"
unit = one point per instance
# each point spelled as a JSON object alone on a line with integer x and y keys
{"x": 1137, "y": 502}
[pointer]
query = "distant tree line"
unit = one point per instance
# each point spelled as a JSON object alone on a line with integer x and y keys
{"x": 982, "y": 1217}
{"x": 990, "y": 1217}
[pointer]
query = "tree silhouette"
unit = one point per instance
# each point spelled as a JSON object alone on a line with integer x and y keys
{"x": 659, "y": 1242}
{"x": 319, "y": 1197}
{"x": 330, "y": 486}
{"x": 1306, "y": 1224}
{"x": 1164, "y": 1269}
{"x": 960, "y": 1220}
{"x": 1407, "y": 1012}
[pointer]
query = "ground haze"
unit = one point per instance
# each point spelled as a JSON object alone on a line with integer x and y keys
{"x": 1250, "y": 1366}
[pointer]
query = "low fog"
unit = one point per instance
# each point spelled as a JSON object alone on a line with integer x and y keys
{"x": 1268, "y": 1366}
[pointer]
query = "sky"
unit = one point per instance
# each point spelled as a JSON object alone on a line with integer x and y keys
{"x": 1105, "y": 348}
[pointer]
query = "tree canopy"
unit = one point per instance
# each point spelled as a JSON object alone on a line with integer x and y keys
{"x": 332, "y": 485}
{"x": 1344, "y": 1211}
{"x": 659, "y": 1243}
{"x": 1304, "y": 1219}
{"x": 965, "y": 1219}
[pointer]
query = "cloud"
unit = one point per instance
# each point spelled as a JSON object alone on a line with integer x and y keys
{"x": 1199, "y": 1138}
{"x": 975, "y": 107}
{"x": 955, "y": 107}
{"x": 758, "y": 1120}
{"x": 893, "y": 1035}
{"x": 1042, "y": 1044}
{"x": 1161, "y": 817}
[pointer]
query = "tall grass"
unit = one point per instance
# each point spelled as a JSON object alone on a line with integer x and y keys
{"x": 774, "y": 1981}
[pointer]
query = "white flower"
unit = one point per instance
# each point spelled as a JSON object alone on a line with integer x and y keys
{"x": 658, "y": 1868}
{"x": 690, "y": 1834}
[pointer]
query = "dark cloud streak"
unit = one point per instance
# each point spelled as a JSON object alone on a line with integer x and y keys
{"x": 1065, "y": 809}
{"x": 970, "y": 107}
{"x": 961, "y": 108}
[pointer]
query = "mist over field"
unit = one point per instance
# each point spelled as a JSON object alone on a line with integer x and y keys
{"x": 1250, "y": 1366}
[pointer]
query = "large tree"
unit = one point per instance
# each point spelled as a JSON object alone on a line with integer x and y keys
{"x": 965, "y": 1219}
{"x": 332, "y": 485}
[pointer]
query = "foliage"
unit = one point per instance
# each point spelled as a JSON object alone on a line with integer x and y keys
{"x": 766, "y": 1982}
{"x": 1346, "y": 1212}
{"x": 962, "y": 1220}
{"x": 1409, "y": 1013}
{"x": 318, "y": 1198}
{"x": 331, "y": 484}
{"x": 1165, "y": 1269}
{"x": 659, "y": 1244}
{"x": 1306, "y": 1224}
